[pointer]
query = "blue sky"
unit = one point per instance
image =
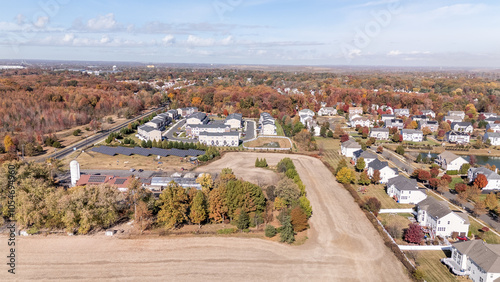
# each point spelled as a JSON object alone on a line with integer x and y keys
{"x": 284, "y": 32}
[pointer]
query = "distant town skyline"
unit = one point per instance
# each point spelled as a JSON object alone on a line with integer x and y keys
{"x": 269, "y": 32}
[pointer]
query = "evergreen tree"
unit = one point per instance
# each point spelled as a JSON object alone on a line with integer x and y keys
{"x": 287, "y": 234}
{"x": 243, "y": 221}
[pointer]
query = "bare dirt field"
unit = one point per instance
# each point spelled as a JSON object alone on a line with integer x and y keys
{"x": 342, "y": 244}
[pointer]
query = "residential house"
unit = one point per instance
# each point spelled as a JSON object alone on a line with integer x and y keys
{"x": 402, "y": 112}
{"x": 267, "y": 124}
{"x": 449, "y": 161}
{"x": 492, "y": 120}
{"x": 234, "y": 120}
{"x": 367, "y": 157}
{"x": 489, "y": 115}
{"x": 453, "y": 118}
{"x": 432, "y": 125}
{"x": 462, "y": 127}
{"x": 412, "y": 135}
{"x": 146, "y": 133}
{"x": 361, "y": 121}
{"x": 475, "y": 258}
{"x": 231, "y": 139}
{"x": 386, "y": 172}
{"x": 493, "y": 137}
{"x": 492, "y": 176}
{"x": 439, "y": 220}
{"x": 405, "y": 190}
{"x": 430, "y": 113}
{"x": 304, "y": 114}
{"x": 457, "y": 137}
{"x": 348, "y": 148}
{"x": 173, "y": 114}
{"x": 397, "y": 123}
{"x": 380, "y": 133}
{"x": 461, "y": 114}
{"x": 194, "y": 130}
{"x": 420, "y": 118}
{"x": 495, "y": 127}
{"x": 385, "y": 117}
{"x": 197, "y": 118}
{"x": 355, "y": 110}
{"x": 120, "y": 183}
{"x": 187, "y": 111}
{"x": 159, "y": 122}
{"x": 327, "y": 111}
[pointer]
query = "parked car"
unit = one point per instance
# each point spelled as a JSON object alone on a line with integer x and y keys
{"x": 141, "y": 170}
{"x": 132, "y": 169}
{"x": 462, "y": 238}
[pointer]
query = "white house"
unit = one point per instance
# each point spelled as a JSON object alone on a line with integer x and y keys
{"x": 367, "y": 157}
{"x": 327, "y": 111}
{"x": 462, "y": 127}
{"x": 397, "y": 123}
{"x": 449, "y": 161}
{"x": 418, "y": 118}
{"x": 405, "y": 190}
{"x": 488, "y": 115}
{"x": 173, "y": 114}
{"x": 361, "y": 121}
{"x": 234, "y": 120}
{"x": 267, "y": 125}
{"x": 304, "y": 114}
{"x": 460, "y": 114}
{"x": 453, "y": 118}
{"x": 437, "y": 217}
{"x": 432, "y": 125}
{"x": 457, "y": 137}
{"x": 355, "y": 110}
{"x": 147, "y": 133}
{"x": 380, "y": 133}
{"x": 492, "y": 176}
{"x": 187, "y": 111}
{"x": 385, "y": 117}
{"x": 348, "y": 148}
{"x": 494, "y": 138}
{"x": 430, "y": 113}
{"x": 231, "y": 139}
{"x": 477, "y": 259}
{"x": 495, "y": 127}
{"x": 197, "y": 118}
{"x": 492, "y": 120}
{"x": 194, "y": 130}
{"x": 413, "y": 135}
{"x": 402, "y": 112}
{"x": 386, "y": 172}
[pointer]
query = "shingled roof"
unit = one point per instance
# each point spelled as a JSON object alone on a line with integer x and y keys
{"x": 486, "y": 256}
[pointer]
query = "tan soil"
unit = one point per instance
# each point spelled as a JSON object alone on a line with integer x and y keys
{"x": 342, "y": 244}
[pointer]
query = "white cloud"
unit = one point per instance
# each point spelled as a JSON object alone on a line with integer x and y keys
{"x": 41, "y": 22}
{"x": 353, "y": 53}
{"x": 106, "y": 22}
{"x": 394, "y": 53}
{"x": 458, "y": 10}
{"x": 68, "y": 37}
{"x": 168, "y": 39}
{"x": 198, "y": 41}
{"x": 20, "y": 18}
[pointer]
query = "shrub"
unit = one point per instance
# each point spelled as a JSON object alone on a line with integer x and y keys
{"x": 270, "y": 231}
{"x": 76, "y": 132}
{"x": 226, "y": 231}
{"x": 452, "y": 172}
{"x": 400, "y": 150}
{"x": 373, "y": 205}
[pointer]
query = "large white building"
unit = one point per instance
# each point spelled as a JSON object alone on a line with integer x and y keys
{"x": 267, "y": 124}
{"x": 146, "y": 133}
{"x": 234, "y": 120}
{"x": 231, "y": 139}
{"x": 197, "y": 118}
{"x": 477, "y": 259}
{"x": 437, "y": 217}
{"x": 194, "y": 130}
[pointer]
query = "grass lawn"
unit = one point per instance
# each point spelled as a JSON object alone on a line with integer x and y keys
{"x": 279, "y": 129}
{"x": 454, "y": 181}
{"x": 429, "y": 262}
{"x": 399, "y": 220}
{"x": 489, "y": 236}
{"x": 331, "y": 148}
{"x": 378, "y": 191}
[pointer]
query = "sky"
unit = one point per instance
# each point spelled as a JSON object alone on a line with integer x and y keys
{"x": 266, "y": 32}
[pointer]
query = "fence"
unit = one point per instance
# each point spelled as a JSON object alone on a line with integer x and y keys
{"x": 396, "y": 211}
{"x": 423, "y": 248}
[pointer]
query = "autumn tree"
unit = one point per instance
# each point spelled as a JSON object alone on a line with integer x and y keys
{"x": 287, "y": 190}
{"x": 206, "y": 182}
{"x": 481, "y": 181}
{"x": 376, "y": 176}
{"x": 373, "y": 205}
{"x": 8, "y": 143}
{"x": 491, "y": 201}
{"x": 414, "y": 233}
{"x": 198, "y": 212}
{"x": 305, "y": 205}
{"x": 364, "y": 179}
{"x": 217, "y": 207}
{"x": 298, "y": 219}
{"x": 346, "y": 175}
{"x": 143, "y": 217}
{"x": 360, "y": 164}
{"x": 479, "y": 208}
{"x": 173, "y": 204}
{"x": 380, "y": 149}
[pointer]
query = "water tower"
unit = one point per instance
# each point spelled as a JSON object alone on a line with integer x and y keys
{"x": 74, "y": 168}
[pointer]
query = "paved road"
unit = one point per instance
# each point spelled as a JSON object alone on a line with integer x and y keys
{"x": 250, "y": 132}
{"x": 93, "y": 139}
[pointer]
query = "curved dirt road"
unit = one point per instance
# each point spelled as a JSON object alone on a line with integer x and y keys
{"x": 342, "y": 245}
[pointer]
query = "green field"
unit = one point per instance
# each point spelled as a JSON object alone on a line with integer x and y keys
{"x": 279, "y": 129}
{"x": 429, "y": 262}
{"x": 489, "y": 236}
{"x": 455, "y": 180}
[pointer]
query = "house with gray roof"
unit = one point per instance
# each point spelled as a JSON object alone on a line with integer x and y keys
{"x": 453, "y": 118}
{"x": 197, "y": 118}
{"x": 402, "y": 112}
{"x": 386, "y": 172}
{"x": 386, "y": 117}
{"x": 397, "y": 123}
{"x": 380, "y": 133}
{"x": 432, "y": 125}
{"x": 457, "y": 137}
{"x": 462, "y": 126}
{"x": 194, "y": 130}
{"x": 440, "y": 220}
{"x": 348, "y": 148}
{"x": 412, "y": 135}
{"x": 327, "y": 111}
{"x": 405, "y": 190}
{"x": 430, "y": 113}
{"x": 449, "y": 161}
{"x": 231, "y": 139}
{"x": 488, "y": 115}
{"x": 492, "y": 177}
{"x": 234, "y": 120}
{"x": 493, "y": 137}
{"x": 495, "y": 127}
{"x": 492, "y": 120}
{"x": 146, "y": 133}
{"x": 460, "y": 114}
{"x": 477, "y": 259}
{"x": 367, "y": 157}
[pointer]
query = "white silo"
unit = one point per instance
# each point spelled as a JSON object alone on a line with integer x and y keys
{"x": 74, "y": 168}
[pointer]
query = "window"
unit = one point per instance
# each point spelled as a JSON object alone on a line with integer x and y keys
{"x": 448, "y": 222}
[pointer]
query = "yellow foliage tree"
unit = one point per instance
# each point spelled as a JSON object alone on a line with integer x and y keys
{"x": 346, "y": 175}
{"x": 196, "y": 101}
{"x": 8, "y": 143}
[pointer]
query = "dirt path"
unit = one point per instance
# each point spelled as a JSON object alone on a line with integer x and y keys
{"x": 342, "y": 245}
